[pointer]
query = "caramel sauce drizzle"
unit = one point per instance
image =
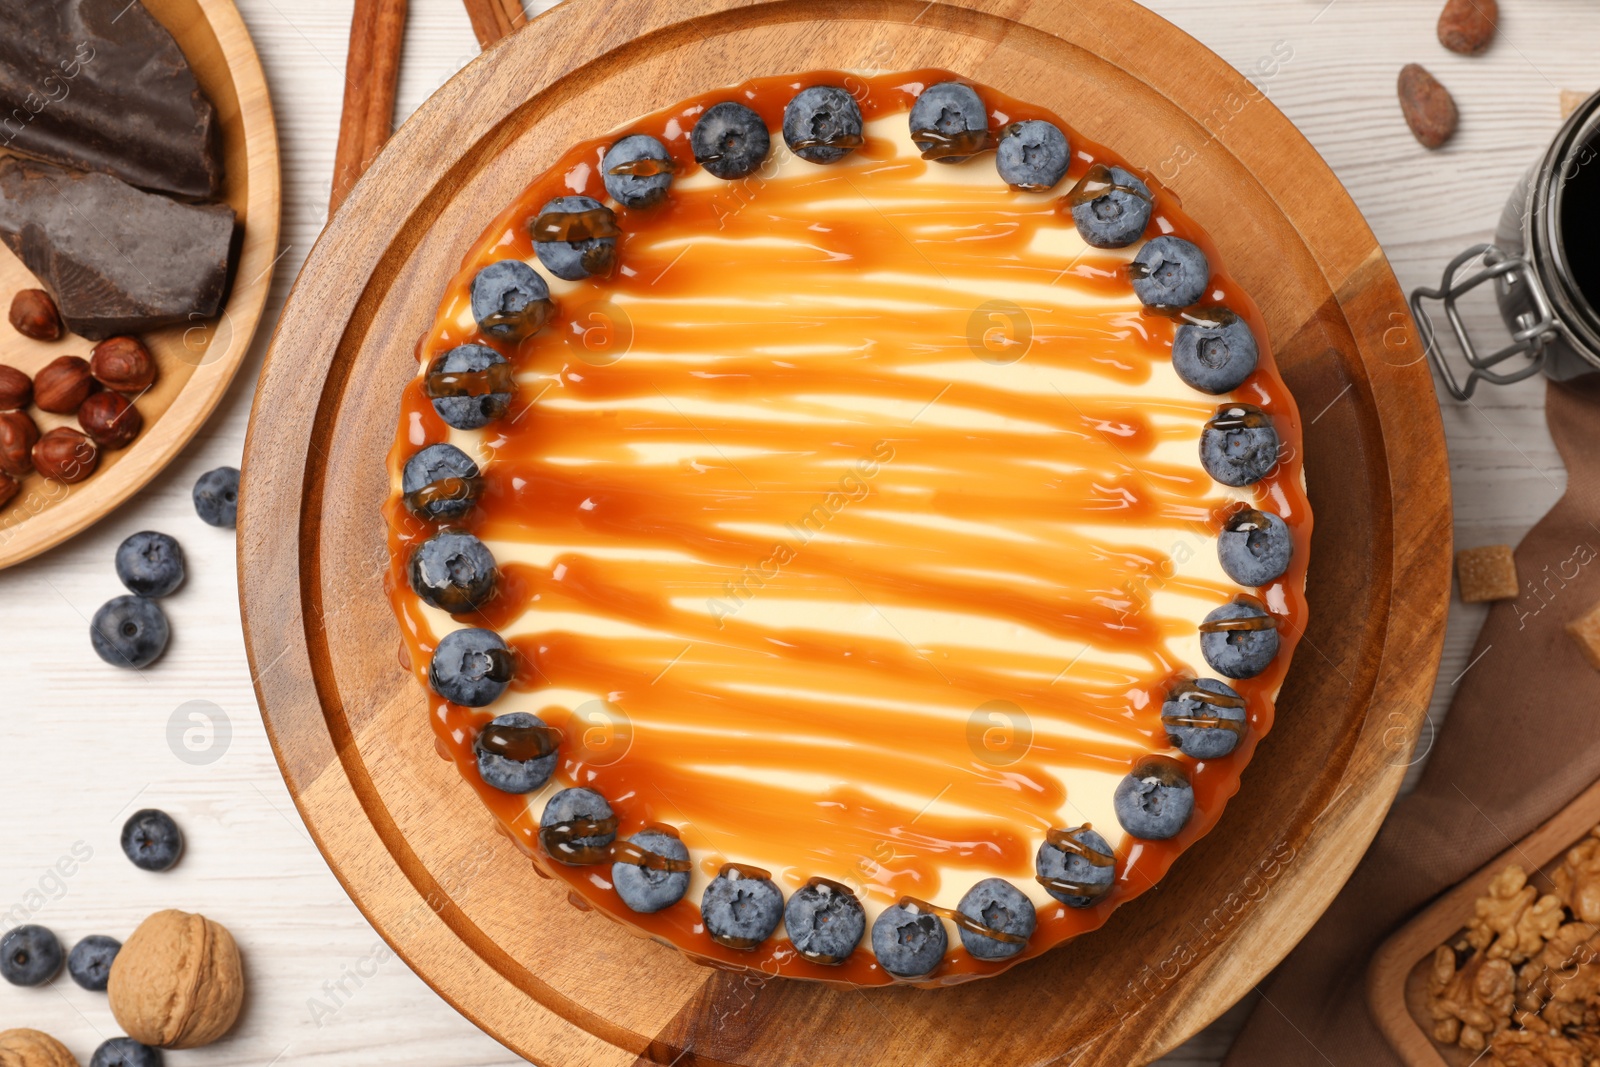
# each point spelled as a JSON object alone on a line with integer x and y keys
{"x": 962, "y": 920}
{"x": 1238, "y": 417}
{"x": 443, "y": 489}
{"x": 750, "y": 379}
{"x": 575, "y": 225}
{"x": 643, "y": 168}
{"x": 739, "y": 870}
{"x": 496, "y": 378}
{"x": 561, "y": 841}
{"x": 1066, "y": 840}
{"x": 520, "y": 743}
{"x": 1252, "y": 622}
{"x": 821, "y": 958}
{"x": 948, "y": 145}
{"x": 1096, "y": 182}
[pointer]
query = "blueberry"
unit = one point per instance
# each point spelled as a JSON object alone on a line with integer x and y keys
{"x": 1169, "y": 272}
{"x": 1111, "y": 207}
{"x": 1202, "y": 742}
{"x": 729, "y": 140}
{"x": 1254, "y": 547}
{"x": 150, "y": 564}
{"x": 949, "y": 122}
{"x": 471, "y": 667}
{"x": 216, "y": 496}
{"x": 1155, "y": 800}
{"x": 151, "y": 840}
{"x": 637, "y": 171}
{"x": 1215, "y": 351}
{"x": 572, "y": 806}
{"x": 90, "y": 961}
{"x": 999, "y": 906}
{"x": 908, "y": 942}
{"x": 1239, "y": 446}
{"x": 129, "y": 631}
{"x": 1061, "y": 865}
{"x": 825, "y": 922}
{"x": 1032, "y": 155}
{"x": 740, "y": 910}
{"x": 440, "y": 482}
{"x": 1238, "y": 652}
{"x": 470, "y": 404}
{"x": 29, "y": 955}
{"x": 509, "y": 300}
{"x": 649, "y": 889}
{"x": 575, "y": 236}
{"x": 125, "y": 1052}
{"x": 454, "y": 571}
{"x": 822, "y": 124}
{"x": 514, "y": 775}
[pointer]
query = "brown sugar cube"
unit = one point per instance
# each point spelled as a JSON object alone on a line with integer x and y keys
{"x": 1585, "y": 630}
{"x": 1487, "y": 573}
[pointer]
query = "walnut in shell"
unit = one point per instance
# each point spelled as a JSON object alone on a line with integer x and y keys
{"x": 177, "y": 983}
{"x": 32, "y": 1048}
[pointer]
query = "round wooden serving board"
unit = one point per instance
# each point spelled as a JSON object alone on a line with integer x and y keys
{"x": 414, "y": 847}
{"x": 196, "y": 361}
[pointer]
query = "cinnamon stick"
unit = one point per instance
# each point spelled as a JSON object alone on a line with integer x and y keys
{"x": 372, "y": 72}
{"x": 494, "y": 19}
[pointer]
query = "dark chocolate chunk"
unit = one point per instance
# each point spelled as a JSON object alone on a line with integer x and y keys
{"x": 101, "y": 85}
{"x": 117, "y": 260}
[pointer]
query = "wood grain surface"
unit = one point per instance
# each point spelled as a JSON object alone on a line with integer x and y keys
{"x": 197, "y": 360}
{"x": 324, "y": 989}
{"x": 349, "y": 727}
{"x": 1397, "y": 982}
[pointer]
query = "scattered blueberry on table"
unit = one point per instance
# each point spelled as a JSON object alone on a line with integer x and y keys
{"x": 89, "y": 962}
{"x": 150, "y": 564}
{"x": 29, "y": 955}
{"x": 129, "y": 631}
{"x": 216, "y": 497}
{"x": 125, "y": 1052}
{"x": 151, "y": 840}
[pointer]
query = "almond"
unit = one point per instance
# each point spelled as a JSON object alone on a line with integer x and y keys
{"x": 123, "y": 364}
{"x": 34, "y": 314}
{"x": 65, "y": 455}
{"x": 1429, "y": 109}
{"x": 1467, "y": 26}
{"x": 110, "y": 420}
{"x": 17, "y": 436}
{"x": 63, "y": 385}
{"x": 178, "y": 982}
{"x": 16, "y": 389}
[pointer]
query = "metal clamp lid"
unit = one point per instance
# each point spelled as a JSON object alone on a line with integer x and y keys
{"x": 1535, "y": 327}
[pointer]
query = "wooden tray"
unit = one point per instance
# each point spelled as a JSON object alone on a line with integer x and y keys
{"x": 197, "y": 361}
{"x": 559, "y": 985}
{"x": 1397, "y": 978}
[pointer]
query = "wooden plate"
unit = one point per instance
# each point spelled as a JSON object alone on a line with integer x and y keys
{"x": 1397, "y": 978}
{"x": 563, "y": 986}
{"x": 196, "y": 361}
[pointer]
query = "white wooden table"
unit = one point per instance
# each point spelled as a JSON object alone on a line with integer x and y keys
{"x": 86, "y": 744}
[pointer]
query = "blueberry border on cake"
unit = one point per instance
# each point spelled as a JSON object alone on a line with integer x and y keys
{"x": 471, "y": 386}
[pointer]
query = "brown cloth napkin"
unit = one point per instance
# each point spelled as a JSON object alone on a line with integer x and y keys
{"x": 1522, "y": 738}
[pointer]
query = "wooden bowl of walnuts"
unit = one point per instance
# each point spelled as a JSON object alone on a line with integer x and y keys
{"x": 1504, "y": 969}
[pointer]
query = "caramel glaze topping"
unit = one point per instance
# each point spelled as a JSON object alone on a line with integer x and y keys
{"x": 521, "y": 743}
{"x": 1066, "y": 840}
{"x": 962, "y": 920}
{"x": 496, "y": 378}
{"x": 772, "y": 404}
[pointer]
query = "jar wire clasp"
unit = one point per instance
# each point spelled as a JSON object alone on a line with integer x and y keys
{"x": 1534, "y": 328}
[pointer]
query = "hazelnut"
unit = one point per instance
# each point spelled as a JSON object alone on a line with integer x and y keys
{"x": 177, "y": 983}
{"x": 63, "y": 385}
{"x": 65, "y": 455}
{"x": 16, "y": 389}
{"x": 123, "y": 364}
{"x": 17, "y": 436}
{"x": 8, "y": 489}
{"x": 34, "y": 315}
{"x": 33, "y": 1048}
{"x": 110, "y": 420}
